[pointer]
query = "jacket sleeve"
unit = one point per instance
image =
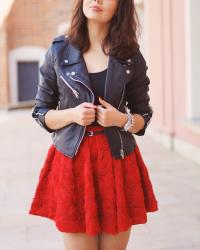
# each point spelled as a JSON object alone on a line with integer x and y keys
{"x": 47, "y": 92}
{"x": 137, "y": 92}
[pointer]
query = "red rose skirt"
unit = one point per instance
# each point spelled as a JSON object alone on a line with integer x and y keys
{"x": 94, "y": 192}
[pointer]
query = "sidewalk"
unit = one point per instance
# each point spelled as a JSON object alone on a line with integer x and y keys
{"x": 176, "y": 182}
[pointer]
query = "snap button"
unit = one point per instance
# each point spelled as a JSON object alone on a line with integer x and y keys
{"x": 66, "y": 61}
{"x": 72, "y": 73}
{"x": 129, "y": 60}
{"x": 67, "y": 73}
{"x": 128, "y": 71}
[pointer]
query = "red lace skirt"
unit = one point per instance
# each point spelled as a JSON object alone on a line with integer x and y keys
{"x": 94, "y": 192}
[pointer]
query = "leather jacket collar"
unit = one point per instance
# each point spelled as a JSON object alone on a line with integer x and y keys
{"x": 73, "y": 59}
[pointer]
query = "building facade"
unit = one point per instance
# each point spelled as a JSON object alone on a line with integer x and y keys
{"x": 26, "y": 30}
{"x": 169, "y": 41}
{"x": 172, "y": 46}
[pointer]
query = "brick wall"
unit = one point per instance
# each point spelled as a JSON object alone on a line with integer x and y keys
{"x": 35, "y": 22}
{"x": 29, "y": 23}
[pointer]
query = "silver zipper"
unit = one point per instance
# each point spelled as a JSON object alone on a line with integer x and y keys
{"x": 84, "y": 85}
{"x": 77, "y": 147}
{"x": 122, "y": 96}
{"x": 76, "y": 93}
{"x": 59, "y": 105}
{"x": 38, "y": 113}
{"x": 122, "y": 148}
{"x": 145, "y": 114}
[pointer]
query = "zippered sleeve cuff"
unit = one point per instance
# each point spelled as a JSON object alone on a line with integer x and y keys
{"x": 39, "y": 115}
{"x": 147, "y": 119}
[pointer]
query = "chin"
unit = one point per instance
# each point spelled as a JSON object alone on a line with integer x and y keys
{"x": 95, "y": 19}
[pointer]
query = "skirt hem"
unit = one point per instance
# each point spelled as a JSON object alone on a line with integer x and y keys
{"x": 94, "y": 233}
{"x": 80, "y": 229}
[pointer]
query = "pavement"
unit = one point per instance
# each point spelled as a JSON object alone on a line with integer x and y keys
{"x": 24, "y": 144}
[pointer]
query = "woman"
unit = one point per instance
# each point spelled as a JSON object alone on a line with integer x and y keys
{"x": 93, "y": 97}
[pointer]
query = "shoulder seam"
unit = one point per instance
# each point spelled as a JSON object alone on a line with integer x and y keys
{"x": 60, "y": 38}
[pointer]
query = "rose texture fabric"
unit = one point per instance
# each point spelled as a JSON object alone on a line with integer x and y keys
{"x": 94, "y": 192}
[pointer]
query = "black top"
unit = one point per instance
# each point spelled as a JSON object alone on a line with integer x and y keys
{"x": 98, "y": 80}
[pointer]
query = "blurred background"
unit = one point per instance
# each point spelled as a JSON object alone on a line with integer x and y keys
{"x": 170, "y": 41}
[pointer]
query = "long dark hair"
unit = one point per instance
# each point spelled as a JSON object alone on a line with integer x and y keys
{"x": 122, "y": 34}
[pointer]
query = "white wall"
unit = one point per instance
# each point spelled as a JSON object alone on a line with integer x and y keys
{"x": 192, "y": 15}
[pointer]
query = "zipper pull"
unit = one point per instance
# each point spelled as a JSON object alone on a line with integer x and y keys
{"x": 59, "y": 105}
{"x": 76, "y": 93}
{"x": 122, "y": 153}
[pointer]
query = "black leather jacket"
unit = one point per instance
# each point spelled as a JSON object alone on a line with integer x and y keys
{"x": 65, "y": 83}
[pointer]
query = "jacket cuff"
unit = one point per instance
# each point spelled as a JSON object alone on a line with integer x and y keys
{"x": 147, "y": 119}
{"x": 39, "y": 116}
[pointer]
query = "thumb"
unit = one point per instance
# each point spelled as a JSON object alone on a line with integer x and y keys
{"x": 88, "y": 105}
{"x": 104, "y": 103}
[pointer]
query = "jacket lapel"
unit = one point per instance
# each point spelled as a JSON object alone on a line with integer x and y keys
{"x": 116, "y": 77}
{"x": 73, "y": 58}
{"x": 115, "y": 81}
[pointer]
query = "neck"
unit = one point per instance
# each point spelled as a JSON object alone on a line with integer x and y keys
{"x": 97, "y": 32}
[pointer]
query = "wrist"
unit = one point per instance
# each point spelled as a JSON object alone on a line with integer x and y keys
{"x": 130, "y": 121}
{"x": 69, "y": 115}
{"x": 123, "y": 120}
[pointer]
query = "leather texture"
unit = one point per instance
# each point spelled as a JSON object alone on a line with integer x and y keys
{"x": 65, "y": 83}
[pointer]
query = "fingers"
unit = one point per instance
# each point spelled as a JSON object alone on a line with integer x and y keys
{"x": 89, "y": 112}
{"x": 100, "y": 107}
{"x": 88, "y": 105}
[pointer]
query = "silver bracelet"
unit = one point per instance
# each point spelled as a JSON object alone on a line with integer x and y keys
{"x": 131, "y": 120}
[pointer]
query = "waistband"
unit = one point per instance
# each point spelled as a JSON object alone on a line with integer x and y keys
{"x": 94, "y": 130}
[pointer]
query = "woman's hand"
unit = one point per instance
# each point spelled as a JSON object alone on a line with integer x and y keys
{"x": 107, "y": 115}
{"x": 84, "y": 114}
